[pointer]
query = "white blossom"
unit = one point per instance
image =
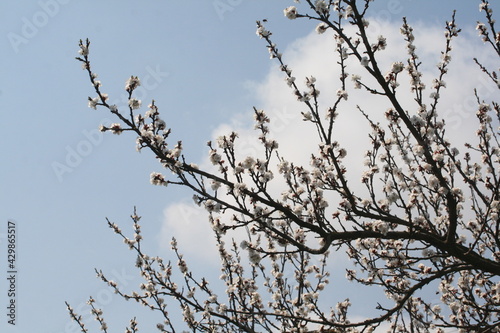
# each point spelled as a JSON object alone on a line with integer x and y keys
{"x": 397, "y": 67}
{"x": 116, "y": 128}
{"x": 134, "y": 103}
{"x": 93, "y": 102}
{"x": 239, "y": 189}
{"x": 342, "y": 94}
{"x": 157, "y": 178}
{"x": 321, "y": 27}
{"x": 132, "y": 83}
{"x": 290, "y": 12}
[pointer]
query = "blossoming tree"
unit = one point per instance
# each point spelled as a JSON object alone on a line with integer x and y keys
{"x": 424, "y": 220}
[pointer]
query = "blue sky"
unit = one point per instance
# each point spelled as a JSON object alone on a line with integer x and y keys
{"x": 60, "y": 178}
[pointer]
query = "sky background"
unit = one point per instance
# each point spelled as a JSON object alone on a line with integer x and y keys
{"x": 206, "y": 69}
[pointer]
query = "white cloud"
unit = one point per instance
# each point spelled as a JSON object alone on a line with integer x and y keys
{"x": 315, "y": 55}
{"x": 188, "y": 223}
